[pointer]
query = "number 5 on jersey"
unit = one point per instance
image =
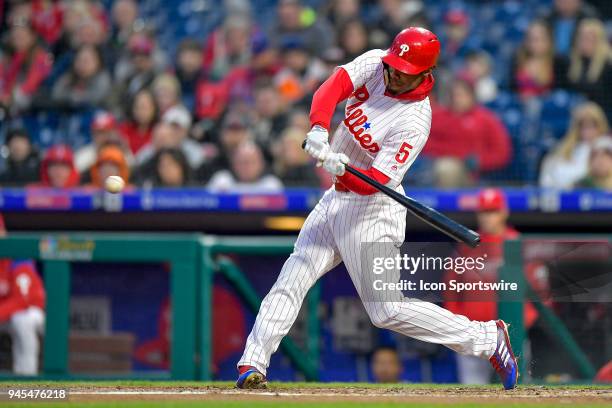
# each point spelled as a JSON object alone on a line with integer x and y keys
{"x": 403, "y": 153}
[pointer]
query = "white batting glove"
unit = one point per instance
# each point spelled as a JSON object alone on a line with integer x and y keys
{"x": 335, "y": 163}
{"x": 317, "y": 142}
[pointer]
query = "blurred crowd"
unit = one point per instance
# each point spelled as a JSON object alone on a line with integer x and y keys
{"x": 230, "y": 110}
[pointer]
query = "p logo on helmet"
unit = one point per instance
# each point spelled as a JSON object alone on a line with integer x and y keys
{"x": 405, "y": 48}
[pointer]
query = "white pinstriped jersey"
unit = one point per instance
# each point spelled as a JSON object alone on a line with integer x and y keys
{"x": 388, "y": 134}
{"x": 378, "y": 130}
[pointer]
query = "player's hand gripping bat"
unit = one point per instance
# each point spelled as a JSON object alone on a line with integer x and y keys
{"x": 432, "y": 217}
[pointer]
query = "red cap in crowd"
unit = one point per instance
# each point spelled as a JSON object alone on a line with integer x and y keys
{"x": 491, "y": 199}
{"x": 458, "y": 17}
{"x": 141, "y": 44}
{"x": 103, "y": 121}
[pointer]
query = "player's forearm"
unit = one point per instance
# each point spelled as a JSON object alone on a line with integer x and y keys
{"x": 359, "y": 186}
{"x": 335, "y": 89}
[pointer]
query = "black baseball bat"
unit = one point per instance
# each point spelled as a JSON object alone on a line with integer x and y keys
{"x": 432, "y": 217}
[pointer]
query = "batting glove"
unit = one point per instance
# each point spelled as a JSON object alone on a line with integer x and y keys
{"x": 317, "y": 144}
{"x": 335, "y": 163}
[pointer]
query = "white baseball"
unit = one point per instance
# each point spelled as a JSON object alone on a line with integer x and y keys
{"x": 114, "y": 184}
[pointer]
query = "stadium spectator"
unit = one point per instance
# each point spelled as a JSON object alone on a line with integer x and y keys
{"x": 263, "y": 66}
{"x": 449, "y": 172}
{"x": 340, "y": 11}
{"x": 294, "y": 20}
{"x": 22, "y": 162}
{"x": 568, "y": 162}
{"x": 600, "y": 166}
{"x": 535, "y": 68}
{"x": 46, "y": 17}
{"x": 86, "y": 85}
{"x": 353, "y": 39}
{"x": 456, "y": 42}
{"x": 564, "y": 18}
{"x": 299, "y": 119}
{"x": 590, "y": 69}
{"x": 23, "y": 68}
{"x": 386, "y": 365}
{"x": 167, "y": 92}
{"x": 124, "y": 23}
{"x": 228, "y": 47}
{"x": 469, "y": 132}
{"x": 140, "y": 55}
{"x": 270, "y": 114}
{"x": 171, "y": 169}
{"x": 247, "y": 173}
{"x": 103, "y": 132}
{"x": 392, "y": 16}
{"x": 478, "y": 68}
{"x": 180, "y": 120}
{"x": 57, "y": 168}
{"x": 84, "y": 23}
{"x": 189, "y": 70}
{"x": 170, "y": 133}
{"x": 22, "y": 310}
{"x": 302, "y": 72}
{"x": 110, "y": 162}
{"x": 291, "y": 163}
{"x": 235, "y": 130}
{"x": 142, "y": 116}
{"x": 138, "y": 71}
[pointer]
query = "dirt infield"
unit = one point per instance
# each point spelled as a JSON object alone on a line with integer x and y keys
{"x": 414, "y": 394}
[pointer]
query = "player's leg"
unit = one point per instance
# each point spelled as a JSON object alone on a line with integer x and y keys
{"x": 379, "y": 220}
{"x": 25, "y": 326}
{"x": 314, "y": 254}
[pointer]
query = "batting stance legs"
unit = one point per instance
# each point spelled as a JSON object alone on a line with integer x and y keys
{"x": 334, "y": 232}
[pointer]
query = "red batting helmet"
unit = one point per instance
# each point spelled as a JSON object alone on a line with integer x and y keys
{"x": 413, "y": 51}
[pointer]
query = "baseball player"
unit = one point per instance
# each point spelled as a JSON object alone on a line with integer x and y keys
{"x": 387, "y": 122}
{"x": 22, "y": 303}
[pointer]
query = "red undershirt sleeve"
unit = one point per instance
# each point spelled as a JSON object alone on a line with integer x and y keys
{"x": 335, "y": 89}
{"x": 359, "y": 186}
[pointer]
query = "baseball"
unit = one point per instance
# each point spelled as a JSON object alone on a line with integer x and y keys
{"x": 114, "y": 184}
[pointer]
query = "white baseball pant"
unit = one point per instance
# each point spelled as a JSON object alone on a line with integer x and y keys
{"x": 334, "y": 232}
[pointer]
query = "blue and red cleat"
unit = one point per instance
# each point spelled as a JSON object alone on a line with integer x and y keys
{"x": 503, "y": 359}
{"x": 249, "y": 378}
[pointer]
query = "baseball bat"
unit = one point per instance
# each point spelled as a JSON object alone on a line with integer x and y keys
{"x": 427, "y": 214}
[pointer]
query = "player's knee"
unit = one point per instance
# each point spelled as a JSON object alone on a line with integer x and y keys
{"x": 22, "y": 322}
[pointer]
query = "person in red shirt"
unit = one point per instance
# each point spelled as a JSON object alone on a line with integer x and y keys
{"x": 24, "y": 68}
{"x": 142, "y": 115}
{"x": 22, "y": 305}
{"x": 492, "y": 219}
{"x": 468, "y": 132}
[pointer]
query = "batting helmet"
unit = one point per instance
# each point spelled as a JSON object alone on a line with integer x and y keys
{"x": 413, "y": 51}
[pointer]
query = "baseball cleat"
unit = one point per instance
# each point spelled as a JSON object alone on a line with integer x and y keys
{"x": 250, "y": 378}
{"x": 503, "y": 359}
